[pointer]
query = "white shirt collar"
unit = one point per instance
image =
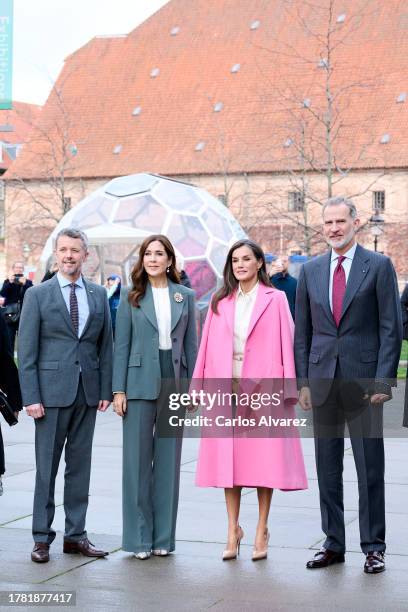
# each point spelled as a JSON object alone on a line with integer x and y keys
{"x": 348, "y": 255}
{"x": 253, "y": 290}
{"x": 64, "y": 282}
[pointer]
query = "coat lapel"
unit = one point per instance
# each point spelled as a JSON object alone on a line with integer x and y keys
{"x": 263, "y": 298}
{"x": 91, "y": 303}
{"x": 176, "y": 307}
{"x": 147, "y": 306}
{"x": 359, "y": 268}
{"x": 322, "y": 279}
{"x": 59, "y": 299}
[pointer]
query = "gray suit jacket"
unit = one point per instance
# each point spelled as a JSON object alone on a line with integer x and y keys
{"x": 136, "y": 366}
{"x": 367, "y": 343}
{"x": 51, "y": 356}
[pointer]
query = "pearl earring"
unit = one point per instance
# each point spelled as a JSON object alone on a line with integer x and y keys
{"x": 168, "y": 270}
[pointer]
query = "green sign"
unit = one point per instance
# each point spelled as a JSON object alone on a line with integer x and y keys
{"x": 6, "y": 52}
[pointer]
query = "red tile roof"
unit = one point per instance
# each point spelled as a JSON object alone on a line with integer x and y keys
{"x": 104, "y": 81}
{"x": 15, "y": 126}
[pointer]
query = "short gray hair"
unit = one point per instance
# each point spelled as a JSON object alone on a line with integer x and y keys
{"x": 73, "y": 232}
{"x": 337, "y": 200}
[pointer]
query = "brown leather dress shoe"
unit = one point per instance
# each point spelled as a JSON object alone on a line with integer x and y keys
{"x": 41, "y": 552}
{"x": 84, "y": 547}
{"x": 324, "y": 558}
{"x": 375, "y": 562}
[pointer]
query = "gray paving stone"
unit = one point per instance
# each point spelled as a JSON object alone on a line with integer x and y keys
{"x": 195, "y": 578}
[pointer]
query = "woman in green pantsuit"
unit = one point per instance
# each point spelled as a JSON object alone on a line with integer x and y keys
{"x": 155, "y": 348}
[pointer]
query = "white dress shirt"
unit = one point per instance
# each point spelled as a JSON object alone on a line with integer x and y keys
{"x": 82, "y": 298}
{"x": 244, "y": 305}
{"x": 346, "y": 266}
{"x": 161, "y": 298}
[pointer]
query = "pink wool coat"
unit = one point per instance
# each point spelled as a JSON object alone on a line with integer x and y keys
{"x": 248, "y": 461}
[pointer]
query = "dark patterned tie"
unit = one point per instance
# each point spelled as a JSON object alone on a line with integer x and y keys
{"x": 73, "y": 308}
{"x": 339, "y": 289}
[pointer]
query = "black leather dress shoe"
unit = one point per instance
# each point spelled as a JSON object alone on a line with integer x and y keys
{"x": 375, "y": 562}
{"x": 324, "y": 558}
{"x": 84, "y": 547}
{"x": 41, "y": 552}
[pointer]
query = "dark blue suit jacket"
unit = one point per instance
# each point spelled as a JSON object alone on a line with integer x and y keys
{"x": 367, "y": 343}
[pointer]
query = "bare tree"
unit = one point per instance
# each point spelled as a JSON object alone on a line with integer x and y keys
{"x": 311, "y": 99}
{"x": 47, "y": 195}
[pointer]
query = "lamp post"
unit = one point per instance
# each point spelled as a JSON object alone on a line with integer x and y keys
{"x": 376, "y": 230}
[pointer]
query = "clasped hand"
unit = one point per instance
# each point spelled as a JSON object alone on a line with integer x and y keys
{"x": 120, "y": 404}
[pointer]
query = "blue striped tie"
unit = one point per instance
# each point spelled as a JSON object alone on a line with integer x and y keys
{"x": 73, "y": 308}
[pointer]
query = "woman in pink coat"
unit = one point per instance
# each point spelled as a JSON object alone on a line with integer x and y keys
{"x": 247, "y": 341}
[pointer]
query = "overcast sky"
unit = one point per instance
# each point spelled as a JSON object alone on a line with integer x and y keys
{"x": 47, "y": 31}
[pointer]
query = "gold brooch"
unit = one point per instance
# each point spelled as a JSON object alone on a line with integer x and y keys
{"x": 178, "y": 297}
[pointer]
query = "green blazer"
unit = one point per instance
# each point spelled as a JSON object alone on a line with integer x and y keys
{"x": 136, "y": 366}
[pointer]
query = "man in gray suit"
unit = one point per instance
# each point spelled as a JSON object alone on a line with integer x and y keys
{"x": 347, "y": 347}
{"x": 65, "y": 361}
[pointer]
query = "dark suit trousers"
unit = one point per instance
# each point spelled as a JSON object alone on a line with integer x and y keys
{"x": 369, "y": 461}
{"x": 2, "y": 460}
{"x": 72, "y": 426}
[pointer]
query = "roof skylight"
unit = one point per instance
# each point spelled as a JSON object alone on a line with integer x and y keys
{"x": 385, "y": 139}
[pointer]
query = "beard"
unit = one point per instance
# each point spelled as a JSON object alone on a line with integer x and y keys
{"x": 344, "y": 242}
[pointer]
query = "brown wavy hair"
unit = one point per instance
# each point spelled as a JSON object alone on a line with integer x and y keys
{"x": 138, "y": 275}
{"x": 230, "y": 282}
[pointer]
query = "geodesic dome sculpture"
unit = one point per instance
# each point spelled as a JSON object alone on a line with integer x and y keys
{"x": 119, "y": 215}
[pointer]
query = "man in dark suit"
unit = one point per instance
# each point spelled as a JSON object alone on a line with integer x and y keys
{"x": 8, "y": 384}
{"x": 347, "y": 347}
{"x": 65, "y": 363}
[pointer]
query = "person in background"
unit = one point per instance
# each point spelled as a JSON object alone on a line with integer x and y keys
{"x": 404, "y": 308}
{"x": 51, "y": 271}
{"x": 281, "y": 279}
{"x": 13, "y": 291}
{"x": 9, "y": 384}
{"x": 113, "y": 286}
{"x": 184, "y": 278}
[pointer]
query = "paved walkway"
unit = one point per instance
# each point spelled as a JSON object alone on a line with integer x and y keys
{"x": 194, "y": 578}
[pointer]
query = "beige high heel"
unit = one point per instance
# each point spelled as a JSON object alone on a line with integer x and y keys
{"x": 257, "y": 555}
{"x": 232, "y": 553}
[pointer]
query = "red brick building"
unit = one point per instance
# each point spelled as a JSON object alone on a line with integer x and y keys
{"x": 270, "y": 105}
{"x": 15, "y": 125}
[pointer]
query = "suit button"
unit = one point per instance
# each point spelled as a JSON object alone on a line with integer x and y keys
{"x": 77, "y": 363}
{"x": 174, "y": 339}
{"x": 176, "y": 361}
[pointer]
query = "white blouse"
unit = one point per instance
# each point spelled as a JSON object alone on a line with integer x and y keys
{"x": 244, "y": 305}
{"x": 161, "y": 298}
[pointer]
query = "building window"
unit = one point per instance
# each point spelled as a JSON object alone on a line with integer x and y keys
{"x": 2, "y": 191}
{"x": 296, "y": 201}
{"x": 222, "y": 198}
{"x": 66, "y": 201}
{"x": 379, "y": 201}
